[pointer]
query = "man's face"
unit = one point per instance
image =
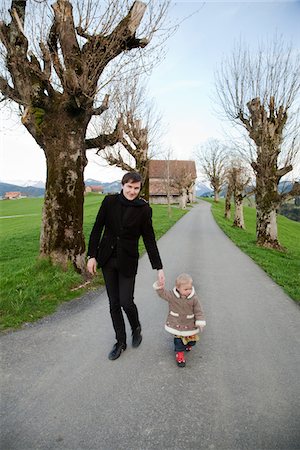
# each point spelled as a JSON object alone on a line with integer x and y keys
{"x": 131, "y": 189}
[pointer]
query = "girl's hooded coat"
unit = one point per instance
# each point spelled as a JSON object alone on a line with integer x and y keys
{"x": 185, "y": 314}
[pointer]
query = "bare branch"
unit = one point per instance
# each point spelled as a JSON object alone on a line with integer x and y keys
{"x": 53, "y": 49}
{"x": 65, "y": 30}
{"x": 104, "y": 106}
{"x": 18, "y": 21}
{"x": 294, "y": 192}
{"x": 105, "y": 140}
{"x": 283, "y": 171}
{"x": 8, "y": 92}
{"x": 212, "y": 157}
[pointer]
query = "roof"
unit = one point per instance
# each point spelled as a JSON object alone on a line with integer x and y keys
{"x": 158, "y": 187}
{"x": 96, "y": 188}
{"x": 158, "y": 168}
{"x": 12, "y": 194}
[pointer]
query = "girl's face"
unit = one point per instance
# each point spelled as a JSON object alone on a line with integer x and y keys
{"x": 131, "y": 189}
{"x": 185, "y": 289}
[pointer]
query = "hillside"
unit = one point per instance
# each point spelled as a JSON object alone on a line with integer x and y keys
{"x": 29, "y": 191}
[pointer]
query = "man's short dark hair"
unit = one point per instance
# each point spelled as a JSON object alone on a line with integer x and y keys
{"x": 133, "y": 177}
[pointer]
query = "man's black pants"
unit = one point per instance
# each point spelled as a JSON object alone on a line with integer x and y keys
{"x": 120, "y": 291}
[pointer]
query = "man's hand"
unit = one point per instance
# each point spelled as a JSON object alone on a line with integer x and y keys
{"x": 92, "y": 266}
{"x": 161, "y": 278}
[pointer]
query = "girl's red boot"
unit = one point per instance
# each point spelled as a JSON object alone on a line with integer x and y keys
{"x": 180, "y": 359}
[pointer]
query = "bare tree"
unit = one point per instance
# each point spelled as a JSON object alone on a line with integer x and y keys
{"x": 211, "y": 157}
{"x": 260, "y": 91}
{"x": 137, "y": 132}
{"x": 183, "y": 181}
{"x": 55, "y": 79}
{"x": 238, "y": 179}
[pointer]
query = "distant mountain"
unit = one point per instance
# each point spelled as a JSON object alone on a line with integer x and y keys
{"x": 113, "y": 187}
{"x": 30, "y": 191}
{"x": 285, "y": 186}
{"x": 91, "y": 182}
{"x": 25, "y": 183}
{"x": 108, "y": 187}
{"x": 203, "y": 189}
{"x": 37, "y": 188}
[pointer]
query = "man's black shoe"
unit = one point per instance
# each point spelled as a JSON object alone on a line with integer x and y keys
{"x": 136, "y": 337}
{"x": 118, "y": 348}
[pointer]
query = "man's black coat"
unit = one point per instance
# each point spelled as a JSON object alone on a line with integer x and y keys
{"x": 117, "y": 229}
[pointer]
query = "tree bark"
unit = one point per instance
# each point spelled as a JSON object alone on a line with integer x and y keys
{"x": 62, "y": 236}
{"x": 239, "y": 212}
{"x": 267, "y": 201}
{"x": 227, "y": 213}
{"x": 216, "y": 196}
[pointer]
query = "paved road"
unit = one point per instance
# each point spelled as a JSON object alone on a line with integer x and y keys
{"x": 239, "y": 390}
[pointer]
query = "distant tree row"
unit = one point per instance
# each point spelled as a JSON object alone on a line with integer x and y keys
{"x": 75, "y": 74}
{"x": 259, "y": 91}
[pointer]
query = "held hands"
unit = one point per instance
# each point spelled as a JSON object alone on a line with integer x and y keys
{"x": 160, "y": 278}
{"x": 92, "y": 266}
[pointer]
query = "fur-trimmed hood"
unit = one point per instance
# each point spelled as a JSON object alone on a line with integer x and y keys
{"x": 178, "y": 294}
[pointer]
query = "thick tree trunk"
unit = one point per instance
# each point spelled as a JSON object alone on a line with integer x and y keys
{"x": 266, "y": 228}
{"x": 145, "y": 189}
{"x": 142, "y": 167}
{"x": 267, "y": 201}
{"x": 216, "y": 196}
{"x": 227, "y": 213}
{"x": 239, "y": 212}
{"x": 183, "y": 199}
{"x": 62, "y": 236}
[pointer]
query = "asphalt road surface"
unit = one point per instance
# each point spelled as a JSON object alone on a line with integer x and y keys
{"x": 239, "y": 390}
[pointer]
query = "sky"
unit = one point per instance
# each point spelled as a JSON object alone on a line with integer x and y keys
{"x": 182, "y": 85}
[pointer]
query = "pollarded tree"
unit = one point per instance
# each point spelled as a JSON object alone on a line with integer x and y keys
{"x": 260, "y": 91}
{"x": 212, "y": 156}
{"x": 238, "y": 180}
{"x": 132, "y": 141}
{"x": 56, "y": 89}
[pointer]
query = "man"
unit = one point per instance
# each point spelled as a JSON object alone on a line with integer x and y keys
{"x": 113, "y": 244}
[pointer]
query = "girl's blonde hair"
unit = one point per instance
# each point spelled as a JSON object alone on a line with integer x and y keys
{"x": 183, "y": 278}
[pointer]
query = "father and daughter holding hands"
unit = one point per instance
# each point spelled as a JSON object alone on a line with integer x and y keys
{"x": 122, "y": 219}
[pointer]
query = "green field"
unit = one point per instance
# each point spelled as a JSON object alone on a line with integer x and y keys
{"x": 283, "y": 267}
{"x": 33, "y": 288}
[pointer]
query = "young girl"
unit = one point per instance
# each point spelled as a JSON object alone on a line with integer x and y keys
{"x": 185, "y": 317}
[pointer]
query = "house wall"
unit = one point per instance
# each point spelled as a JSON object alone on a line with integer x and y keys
{"x": 163, "y": 200}
{"x": 174, "y": 199}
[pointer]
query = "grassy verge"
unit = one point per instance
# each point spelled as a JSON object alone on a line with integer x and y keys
{"x": 33, "y": 288}
{"x": 283, "y": 268}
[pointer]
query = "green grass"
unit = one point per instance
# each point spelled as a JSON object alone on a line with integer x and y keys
{"x": 32, "y": 288}
{"x": 282, "y": 267}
